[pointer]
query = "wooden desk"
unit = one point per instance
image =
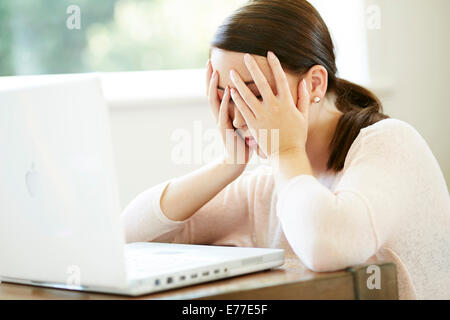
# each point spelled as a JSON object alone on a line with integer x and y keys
{"x": 288, "y": 282}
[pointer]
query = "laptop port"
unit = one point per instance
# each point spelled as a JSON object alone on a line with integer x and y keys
{"x": 194, "y": 275}
{"x": 169, "y": 280}
{"x": 157, "y": 282}
{"x": 182, "y": 278}
{"x": 206, "y": 273}
{"x": 216, "y": 271}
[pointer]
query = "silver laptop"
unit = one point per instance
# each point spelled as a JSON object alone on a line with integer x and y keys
{"x": 59, "y": 205}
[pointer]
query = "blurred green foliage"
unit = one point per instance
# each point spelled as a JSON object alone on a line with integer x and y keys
{"x": 6, "y": 66}
{"x": 115, "y": 35}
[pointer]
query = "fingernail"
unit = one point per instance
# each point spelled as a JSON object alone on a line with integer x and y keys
{"x": 207, "y": 63}
{"x": 214, "y": 75}
{"x": 247, "y": 57}
{"x": 234, "y": 76}
{"x": 271, "y": 55}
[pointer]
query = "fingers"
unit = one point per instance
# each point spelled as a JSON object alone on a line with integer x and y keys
{"x": 244, "y": 92}
{"x": 303, "y": 101}
{"x": 245, "y": 110}
{"x": 213, "y": 98}
{"x": 209, "y": 72}
{"x": 259, "y": 78}
{"x": 231, "y": 137}
{"x": 279, "y": 75}
{"x": 224, "y": 118}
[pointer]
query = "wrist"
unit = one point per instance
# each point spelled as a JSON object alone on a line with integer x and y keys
{"x": 287, "y": 159}
{"x": 232, "y": 168}
{"x": 290, "y": 163}
{"x": 291, "y": 152}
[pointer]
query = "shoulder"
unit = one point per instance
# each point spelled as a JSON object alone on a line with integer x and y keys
{"x": 393, "y": 147}
{"x": 393, "y": 128}
{"x": 388, "y": 138}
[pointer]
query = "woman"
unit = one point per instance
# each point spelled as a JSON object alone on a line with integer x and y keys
{"x": 347, "y": 185}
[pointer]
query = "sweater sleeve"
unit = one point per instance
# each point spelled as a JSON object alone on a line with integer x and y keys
{"x": 143, "y": 219}
{"x": 329, "y": 230}
{"x": 222, "y": 217}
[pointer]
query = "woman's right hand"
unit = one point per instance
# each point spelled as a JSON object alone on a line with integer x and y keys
{"x": 235, "y": 144}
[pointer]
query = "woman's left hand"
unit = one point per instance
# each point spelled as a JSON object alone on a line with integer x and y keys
{"x": 274, "y": 112}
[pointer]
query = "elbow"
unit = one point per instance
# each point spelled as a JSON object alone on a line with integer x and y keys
{"x": 132, "y": 224}
{"x": 324, "y": 254}
{"x": 319, "y": 256}
{"x": 328, "y": 232}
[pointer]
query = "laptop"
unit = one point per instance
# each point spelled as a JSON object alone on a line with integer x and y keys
{"x": 59, "y": 206}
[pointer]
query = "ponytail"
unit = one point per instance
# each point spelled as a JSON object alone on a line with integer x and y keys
{"x": 361, "y": 108}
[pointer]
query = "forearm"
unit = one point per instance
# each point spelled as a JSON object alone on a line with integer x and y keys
{"x": 187, "y": 194}
{"x": 327, "y": 230}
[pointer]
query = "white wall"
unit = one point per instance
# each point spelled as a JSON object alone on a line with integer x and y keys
{"x": 411, "y": 53}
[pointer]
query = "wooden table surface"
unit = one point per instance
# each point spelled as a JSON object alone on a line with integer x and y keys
{"x": 288, "y": 282}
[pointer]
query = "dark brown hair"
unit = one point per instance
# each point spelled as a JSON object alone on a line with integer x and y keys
{"x": 296, "y": 33}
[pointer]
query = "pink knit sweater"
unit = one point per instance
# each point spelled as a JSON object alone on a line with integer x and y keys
{"x": 389, "y": 203}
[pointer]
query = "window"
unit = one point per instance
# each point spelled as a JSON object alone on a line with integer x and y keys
{"x": 113, "y": 35}
{"x": 118, "y": 36}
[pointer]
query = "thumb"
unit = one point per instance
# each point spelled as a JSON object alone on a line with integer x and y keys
{"x": 303, "y": 101}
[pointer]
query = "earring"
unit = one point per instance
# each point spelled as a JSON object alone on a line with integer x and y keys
{"x": 317, "y": 99}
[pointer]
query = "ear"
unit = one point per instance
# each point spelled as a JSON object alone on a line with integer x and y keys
{"x": 317, "y": 82}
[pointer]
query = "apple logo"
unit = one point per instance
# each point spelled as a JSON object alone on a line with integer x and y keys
{"x": 32, "y": 181}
